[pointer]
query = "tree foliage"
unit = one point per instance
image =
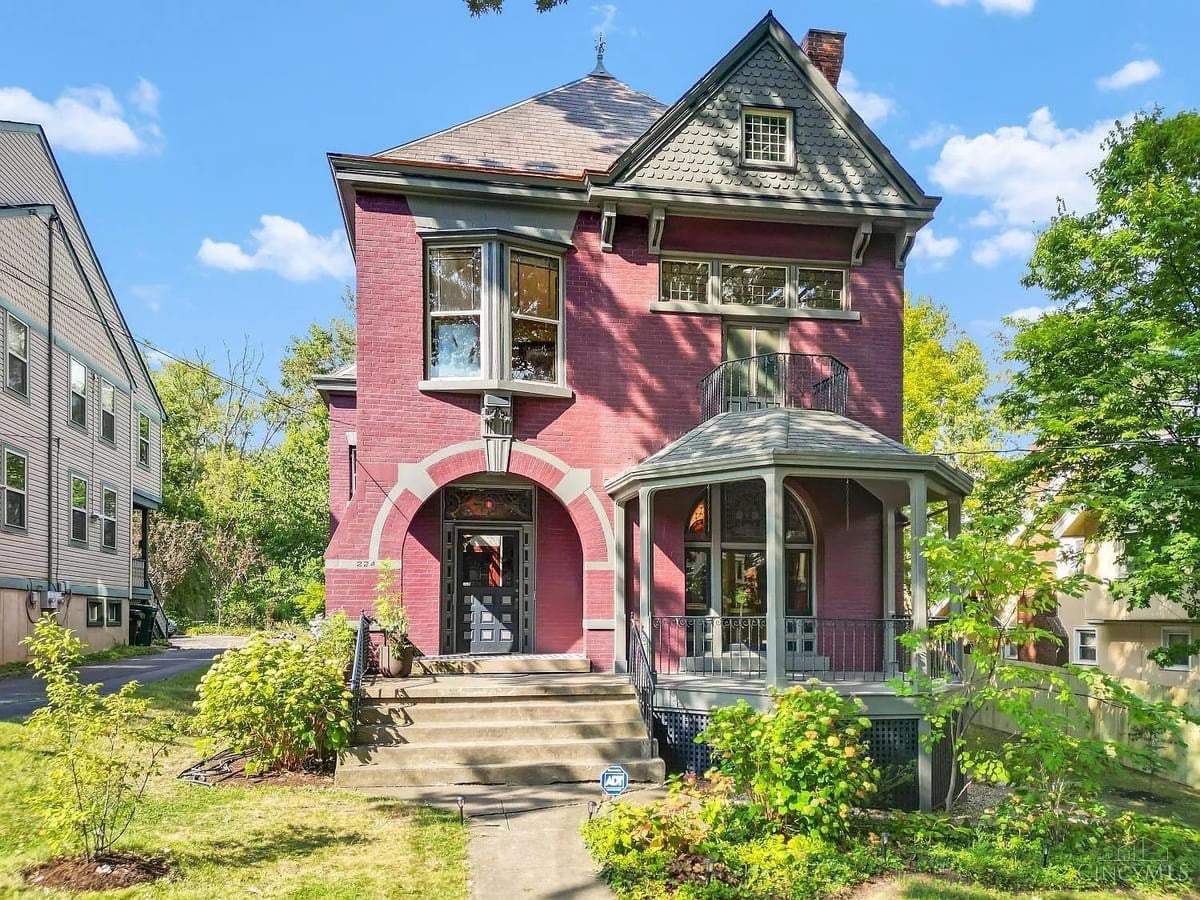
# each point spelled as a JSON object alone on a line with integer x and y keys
{"x": 1108, "y": 383}
{"x": 479, "y": 7}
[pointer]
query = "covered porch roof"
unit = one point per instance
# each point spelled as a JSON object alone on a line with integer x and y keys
{"x": 736, "y": 445}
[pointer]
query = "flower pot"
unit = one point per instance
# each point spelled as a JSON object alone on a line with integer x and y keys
{"x": 396, "y": 662}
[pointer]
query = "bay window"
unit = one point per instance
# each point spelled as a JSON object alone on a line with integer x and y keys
{"x": 494, "y": 315}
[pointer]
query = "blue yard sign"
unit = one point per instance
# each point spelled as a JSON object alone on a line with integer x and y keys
{"x": 614, "y": 780}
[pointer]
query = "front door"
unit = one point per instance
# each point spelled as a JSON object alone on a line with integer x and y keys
{"x": 488, "y": 591}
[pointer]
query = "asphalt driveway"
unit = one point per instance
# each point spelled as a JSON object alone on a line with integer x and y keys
{"x": 21, "y": 696}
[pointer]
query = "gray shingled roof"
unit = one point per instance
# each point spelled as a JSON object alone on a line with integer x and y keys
{"x": 586, "y": 124}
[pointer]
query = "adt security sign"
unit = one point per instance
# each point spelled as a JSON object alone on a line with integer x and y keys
{"x": 614, "y": 780}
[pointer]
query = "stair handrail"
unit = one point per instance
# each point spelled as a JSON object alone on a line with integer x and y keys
{"x": 641, "y": 673}
{"x": 358, "y": 670}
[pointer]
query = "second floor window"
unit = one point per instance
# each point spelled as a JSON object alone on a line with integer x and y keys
{"x": 735, "y": 283}
{"x": 108, "y": 520}
{"x": 78, "y": 393}
{"x": 108, "y": 412}
{"x": 16, "y": 352}
{"x": 79, "y": 510}
{"x": 493, "y": 312}
{"x": 144, "y": 440}
{"x": 16, "y": 487}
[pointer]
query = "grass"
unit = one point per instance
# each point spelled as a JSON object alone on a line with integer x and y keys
{"x": 301, "y": 843}
{"x": 927, "y": 887}
{"x": 112, "y": 654}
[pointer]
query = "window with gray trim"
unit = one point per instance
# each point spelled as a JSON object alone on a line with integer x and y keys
{"x": 16, "y": 355}
{"x": 95, "y": 612}
{"x": 78, "y": 396}
{"x": 767, "y": 136}
{"x": 742, "y": 283}
{"x": 16, "y": 487}
{"x": 820, "y": 288}
{"x": 454, "y": 296}
{"x": 112, "y": 614}
{"x": 684, "y": 280}
{"x": 108, "y": 518}
{"x": 108, "y": 411}
{"x": 144, "y": 440}
{"x": 79, "y": 509}
{"x": 533, "y": 287}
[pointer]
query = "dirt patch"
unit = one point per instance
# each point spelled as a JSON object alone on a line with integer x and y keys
{"x": 109, "y": 871}
{"x": 228, "y": 769}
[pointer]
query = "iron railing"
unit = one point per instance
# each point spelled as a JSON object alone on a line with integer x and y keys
{"x": 361, "y": 662}
{"x": 831, "y": 650}
{"x": 775, "y": 380}
{"x": 641, "y": 673}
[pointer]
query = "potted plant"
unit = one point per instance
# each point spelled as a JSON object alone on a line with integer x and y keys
{"x": 391, "y": 616}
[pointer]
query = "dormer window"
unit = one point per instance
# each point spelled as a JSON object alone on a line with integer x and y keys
{"x": 767, "y": 136}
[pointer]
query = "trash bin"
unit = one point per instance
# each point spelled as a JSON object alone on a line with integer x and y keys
{"x": 141, "y": 624}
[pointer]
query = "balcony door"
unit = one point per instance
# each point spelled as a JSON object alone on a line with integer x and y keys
{"x": 758, "y": 382}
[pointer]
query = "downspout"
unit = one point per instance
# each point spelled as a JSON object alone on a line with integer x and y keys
{"x": 50, "y": 485}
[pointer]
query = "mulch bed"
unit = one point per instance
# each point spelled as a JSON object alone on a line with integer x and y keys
{"x": 108, "y": 871}
{"x": 229, "y": 770}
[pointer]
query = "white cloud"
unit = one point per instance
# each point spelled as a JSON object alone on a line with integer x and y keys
{"x": 934, "y": 249}
{"x": 1023, "y": 169}
{"x": 284, "y": 247}
{"x": 874, "y": 108}
{"x": 1028, "y": 313}
{"x": 1138, "y": 71}
{"x": 936, "y": 133}
{"x": 1009, "y": 7}
{"x": 145, "y": 97}
{"x": 608, "y": 19}
{"x": 985, "y": 218}
{"x": 1013, "y": 243}
{"x": 85, "y": 120}
{"x": 152, "y": 295}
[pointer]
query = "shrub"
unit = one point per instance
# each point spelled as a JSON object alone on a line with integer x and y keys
{"x": 100, "y": 751}
{"x": 282, "y": 701}
{"x": 803, "y": 762}
{"x": 336, "y": 637}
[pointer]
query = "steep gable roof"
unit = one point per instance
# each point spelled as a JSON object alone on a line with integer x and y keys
{"x": 581, "y": 126}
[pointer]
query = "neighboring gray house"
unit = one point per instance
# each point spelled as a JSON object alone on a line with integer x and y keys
{"x": 80, "y": 422}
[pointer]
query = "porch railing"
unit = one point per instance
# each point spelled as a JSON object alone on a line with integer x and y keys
{"x": 641, "y": 673}
{"x": 833, "y": 650}
{"x": 775, "y": 380}
{"x": 361, "y": 662}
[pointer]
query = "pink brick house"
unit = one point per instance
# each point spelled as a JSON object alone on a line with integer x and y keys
{"x": 629, "y": 383}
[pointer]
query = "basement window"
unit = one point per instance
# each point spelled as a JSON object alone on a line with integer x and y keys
{"x": 95, "y": 612}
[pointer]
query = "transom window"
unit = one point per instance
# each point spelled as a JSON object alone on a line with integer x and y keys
{"x": 767, "y": 136}
{"x": 16, "y": 353}
{"x": 108, "y": 412}
{"x": 79, "y": 509}
{"x": 757, "y": 284}
{"x": 108, "y": 519}
{"x": 144, "y": 440}
{"x": 1086, "y": 648}
{"x": 16, "y": 487}
{"x": 78, "y": 374}
{"x": 495, "y": 312}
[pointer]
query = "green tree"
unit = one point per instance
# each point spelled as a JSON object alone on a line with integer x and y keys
{"x": 479, "y": 7}
{"x": 946, "y": 381}
{"x": 1108, "y": 383}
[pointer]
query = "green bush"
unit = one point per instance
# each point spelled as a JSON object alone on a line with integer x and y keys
{"x": 803, "y": 762}
{"x": 282, "y": 701}
{"x": 98, "y": 751}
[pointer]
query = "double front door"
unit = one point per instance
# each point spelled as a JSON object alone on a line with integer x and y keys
{"x": 488, "y": 594}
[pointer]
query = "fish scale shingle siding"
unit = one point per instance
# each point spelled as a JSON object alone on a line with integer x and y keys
{"x": 705, "y": 152}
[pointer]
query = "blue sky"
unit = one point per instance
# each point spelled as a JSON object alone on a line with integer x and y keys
{"x": 181, "y": 126}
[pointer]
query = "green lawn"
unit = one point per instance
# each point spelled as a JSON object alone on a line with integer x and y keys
{"x": 121, "y": 651}
{"x": 925, "y": 887}
{"x": 308, "y": 842}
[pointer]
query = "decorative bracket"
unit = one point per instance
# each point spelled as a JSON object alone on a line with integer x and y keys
{"x": 496, "y": 429}
{"x": 608, "y": 226}
{"x": 658, "y": 222}
{"x": 862, "y": 240}
{"x": 904, "y": 244}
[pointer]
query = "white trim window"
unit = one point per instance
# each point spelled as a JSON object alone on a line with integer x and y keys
{"x": 78, "y": 393}
{"x": 16, "y": 488}
{"x": 108, "y": 519}
{"x": 1009, "y": 650}
{"x": 16, "y": 356}
{"x": 79, "y": 509}
{"x": 767, "y": 137}
{"x": 760, "y": 284}
{"x": 1175, "y": 637}
{"x": 108, "y": 411}
{"x": 1085, "y": 648}
{"x": 143, "y": 440}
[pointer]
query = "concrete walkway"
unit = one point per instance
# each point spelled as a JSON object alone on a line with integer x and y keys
{"x": 525, "y": 841}
{"x": 21, "y": 696}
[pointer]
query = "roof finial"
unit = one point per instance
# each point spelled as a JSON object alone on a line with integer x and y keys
{"x": 600, "y": 71}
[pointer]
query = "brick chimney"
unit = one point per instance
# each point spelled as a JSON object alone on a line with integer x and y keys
{"x": 825, "y": 49}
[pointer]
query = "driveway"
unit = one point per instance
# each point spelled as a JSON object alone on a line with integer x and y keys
{"x": 21, "y": 696}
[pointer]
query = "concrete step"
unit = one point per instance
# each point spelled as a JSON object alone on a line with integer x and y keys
{"x": 590, "y": 750}
{"x": 475, "y": 732}
{"x": 453, "y": 688}
{"x": 352, "y": 775}
{"x": 503, "y": 709}
{"x": 500, "y": 665}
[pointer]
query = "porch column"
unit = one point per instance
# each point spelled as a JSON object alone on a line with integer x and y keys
{"x": 620, "y": 616}
{"x": 646, "y": 558}
{"x": 776, "y": 582}
{"x": 918, "y": 496}
{"x": 888, "y": 552}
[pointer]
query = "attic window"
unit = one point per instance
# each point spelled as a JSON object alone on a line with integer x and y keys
{"x": 767, "y": 136}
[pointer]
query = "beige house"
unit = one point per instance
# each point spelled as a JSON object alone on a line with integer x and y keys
{"x": 80, "y": 422}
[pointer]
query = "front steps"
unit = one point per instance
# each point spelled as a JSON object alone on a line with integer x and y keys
{"x": 540, "y": 728}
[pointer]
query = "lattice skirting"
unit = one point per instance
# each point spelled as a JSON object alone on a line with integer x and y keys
{"x": 893, "y": 744}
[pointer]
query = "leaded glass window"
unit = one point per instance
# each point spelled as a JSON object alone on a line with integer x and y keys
{"x": 744, "y": 512}
{"x": 683, "y": 281}
{"x": 471, "y": 503}
{"x": 820, "y": 288}
{"x": 753, "y": 285}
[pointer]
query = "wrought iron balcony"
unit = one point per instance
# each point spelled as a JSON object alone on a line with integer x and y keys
{"x": 775, "y": 381}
